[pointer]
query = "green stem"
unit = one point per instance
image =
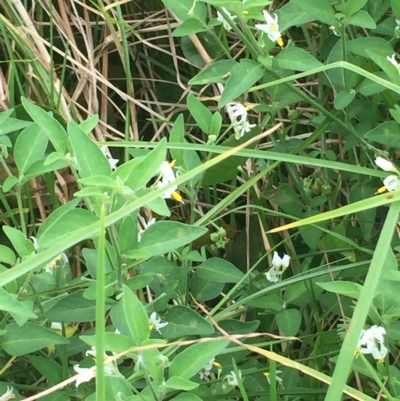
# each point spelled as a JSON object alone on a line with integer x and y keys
{"x": 100, "y": 309}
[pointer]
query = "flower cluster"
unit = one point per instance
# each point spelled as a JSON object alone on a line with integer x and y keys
{"x": 371, "y": 342}
{"x": 271, "y": 28}
{"x": 168, "y": 176}
{"x": 206, "y": 371}
{"x": 391, "y": 182}
{"x": 241, "y": 125}
{"x": 279, "y": 265}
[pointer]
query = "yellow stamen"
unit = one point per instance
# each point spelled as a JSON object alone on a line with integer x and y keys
{"x": 381, "y": 190}
{"x": 266, "y": 374}
{"x": 172, "y": 163}
{"x": 249, "y": 107}
{"x": 245, "y": 12}
{"x": 177, "y": 196}
{"x": 280, "y": 42}
{"x": 273, "y": 27}
{"x": 58, "y": 257}
{"x": 51, "y": 265}
{"x": 151, "y": 326}
{"x": 217, "y": 365}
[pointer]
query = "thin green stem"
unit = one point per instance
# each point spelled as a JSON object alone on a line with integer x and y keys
{"x": 100, "y": 309}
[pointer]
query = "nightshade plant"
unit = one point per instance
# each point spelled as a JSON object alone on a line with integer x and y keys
{"x": 157, "y": 276}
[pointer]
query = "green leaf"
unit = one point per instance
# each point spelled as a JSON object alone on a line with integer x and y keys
{"x": 54, "y": 130}
{"x": 292, "y": 15}
{"x": 186, "y": 397}
{"x": 243, "y": 76}
{"x": 90, "y": 158}
{"x": 9, "y": 182}
{"x": 137, "y": 172}
{"x": 22, "y": 245}
{"x": 29, "y": 147}
{"x": 200, "y": 113}
{"x": 183, "y": 321}
{"x": 185, "y": 9}
{"x": 288, "y": 321}
{"x": 189, "y": 27}
{"x": 166, "y": 236}
{"x": 7, "y": 255}
{"x": 113, "y": 342}
{"x": 363, "y": 19}
{"x": 4, "y": 115}
{"x": 344, "y": 98}
{"x": 55, "y": 217}
{"x": 396, "y": 8}
{"x": 89, "y": 124}
{"x": 320, "y": 10}
{"x": 360, "y": 45}
{"x": 179, "y": 383}
{"x": 69, "y": 222}
{"x": 297, "y": 59}
{"x": 101, "y": 181}
{"x": 135, "y": 316}
{"x": 379, "y": 56}
{"x": 48, "y": 368}
{"x": 192, "y": 359}
{"x": 17, "y": 309}
{"x": 177, "y": 135}
{"x": 29, "y": 338}
{"x": 352, "y": 6}
{"x": 12, "y": 125}
{"x": 217, "y": 72}
{"x": 216, "y": 124}
{"x": 204, "y": 290}
{"x": 386, "y": 133}
{"x": 220, "y": 270}
{"x": 346, "y": 288}
{"x": 72, "y": 308}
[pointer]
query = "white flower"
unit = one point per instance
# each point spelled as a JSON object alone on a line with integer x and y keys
{"x": 84, "y": 375}
{"x": 241, "y": 128}
{"x": 53, "y": 264}
{"x": 271, "y": 28}
{"x": 106, "y": 153}
{"x": 224, "y": 22}
{"x": 273, "y": 275}
{"x": 56, "y": 326}
{"x": 145, "y": 225}
{"x": 391, "y": 182}
{"x": 8, "y": 395}
{"x": 277, "y": 378}
{"x": 232, "y": 379}
{"x": 168, "y": 176}
{"x": 393, "y": 61}
{"x": 155, "y": 322}
{"x": 35, "y": 242}
{"x": 384, "y": 164}
{"x": 279, "y": 263}
{"x": 206, "y": 371}
{"x": 238, "y": 110}
{"x": 369, "y": 339}
{"x": 91, "y": 352}
{"x": 117, "y": 331}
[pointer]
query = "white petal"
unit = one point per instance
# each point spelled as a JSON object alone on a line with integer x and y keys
{"x": 391, "y": 182}
{"x": 56, "y": 326}
{"x": 276, "y": 260}
{"x": 285, "y": 261}
{"x": 85, "y": 375}
{"x": 384, "y": 164}
{"x": 393, "y": 60}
